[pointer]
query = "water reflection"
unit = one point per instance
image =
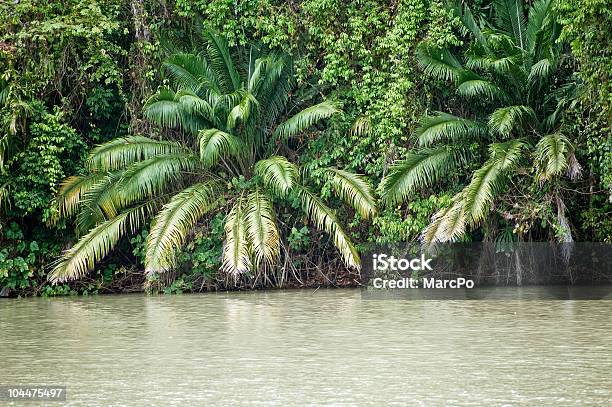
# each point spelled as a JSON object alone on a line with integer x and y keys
{"x": 329, "y": 347}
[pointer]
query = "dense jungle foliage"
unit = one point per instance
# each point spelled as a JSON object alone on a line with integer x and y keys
{"x": 181, "y": 125}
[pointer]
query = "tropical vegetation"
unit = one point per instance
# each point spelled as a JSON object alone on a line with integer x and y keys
{"x": 212, "y": 144}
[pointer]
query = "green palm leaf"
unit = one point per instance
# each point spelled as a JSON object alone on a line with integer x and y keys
{"x": 261, "y": 228}
{"x": 221, "y": 61}
{"x": 72, "y": 190}
{"x": 354, "y": 190}
{"x": 448, "y": 224}
{"x": 305, "y": 119}
{"x": 510, "y": 17}
{"x": 480, "y": 88}
{"x": 552, "y": 153}
{"x": 488, "y": 180}
{"x": 444, "y": 126}
{"x": 95, "y": 245}
{"x": 123, "y": 151}
{"x": 236, "y": 251}
{"x": 418, "y": 170}
{"x": 148, "y": 178}
{"x": 511, "y": 119}
{"x": 174, "y": 222}
{"x": 215, "y": 143}
{"x": 325, "y": 219}
{"x": 438, "y": 63}
{"x": 278, "y": 174}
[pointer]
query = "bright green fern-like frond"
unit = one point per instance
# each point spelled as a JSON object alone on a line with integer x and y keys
{"x": 417, "y": 170}
{"x": 261, "y": 228}
{"x": 354, "y": 190}
{"x": 221, "y": 61}
{"x": 174, "y": 222}
{"x": 488, "y": 181}
{"x": 439, "y": 63}
{"x": 215, "y": 143}
{"x": 552, "y": 153}
{"x": 444, "y": 126}
{"x": 146, "y": 179}
{"x": 304, "y": 119}
{"x": 511, "y": 120}
{"x": 325, "y": 219}
{"x": 94, "y": 246}
{"x": 124, "y": 151}
{"x": 236, "y": 250}
{"x": 278, "y": 174}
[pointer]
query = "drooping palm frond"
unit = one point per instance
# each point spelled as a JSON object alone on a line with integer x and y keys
{"x": 488, "y": 180}
{"x": 540, "y": 71}
{"x": 481, "y": 89}
{"x": 261, "y": 228}
{"x": 236, "y": 251}
{"x": 71, "y": 192}
{"x": 325, "y": 219}
{"x": 445, "y": 126}
{"x": 215, "y": 143}
{"x": 191, "y": 71}
{"x": 174, "y": 222}
{"x": 354, "y": 190}
{"x": 5, "y": 202}
{"x": 539, "y": 17}
{"x": 95, "y": 245}
{"x": 418, "y": 170}
{"x": 469, "y": 22}
{"x": 149, "y": 178}
{"x": 510, "y": 17}
{"x": 304, "y": 119}
{"x": 278, "y": 174}
{"x": 448, "y": 224}
{"x": 221, "y": 60}
{"x": 98, "y": 202}
{"x": 242, "y": 111}
{"x": 438, "y": 63}
{"x": 552, "y": 154}
{"x": 123, "y": 151}
{"x": 511, "y": 120}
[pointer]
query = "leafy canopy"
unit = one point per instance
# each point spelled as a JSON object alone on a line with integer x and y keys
{"x": 225, "y": 117}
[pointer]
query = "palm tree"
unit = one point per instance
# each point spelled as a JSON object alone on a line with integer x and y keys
{"x": 507, "y": 80}
{"x": 222, "y": 150}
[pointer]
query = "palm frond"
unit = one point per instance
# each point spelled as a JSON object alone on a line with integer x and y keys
{"x": 221, "y": 60}
{"x": 174, "y": 222}
{"x": 242, "y": 111}
{"x": 215, "y": 143}
{"x": 261, "y": 228}
{"x": 95, "y": 245}
{"x": 481, "y": 89}
{"x": 445, "y": 126}
{"x": 511, "y": 119}
{"x": 488, "y": 180}
{"x": 448, "y": 224}
{"x": 304, "y": 119}
{"x": 552, "y": 153}
{"x": 278, "y": 174}
{"x": 510, "y": 17}
{"x": 540, "y": 15}
{"x": 72, "y": 190}
{"x": 146, "y": 179}
{"x": 325, "y": 219}
{"x": 124, "y": 151}
{"x": 418, "y": 170}
{"x": 190, "y": 71}
{"x": 438, "y": 63}
{"x": 354, "y": 190}
{"x": 236, "y": 251}
{"x": 540, "y": 71}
